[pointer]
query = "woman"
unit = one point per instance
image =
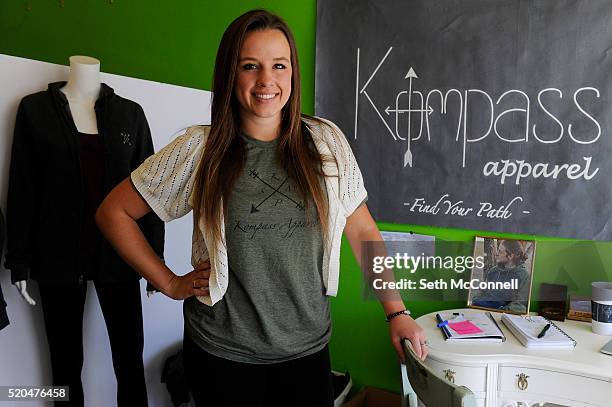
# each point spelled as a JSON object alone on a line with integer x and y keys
{"x": 271, "y": 191}
{"x": 510, "y": 258}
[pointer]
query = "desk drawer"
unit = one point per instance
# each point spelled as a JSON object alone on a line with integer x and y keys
{"x": 558, "y": 384}
{"x": 472, "y": 377}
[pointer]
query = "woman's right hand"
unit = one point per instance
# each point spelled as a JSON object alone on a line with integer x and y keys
{"x": 194, "y": 283}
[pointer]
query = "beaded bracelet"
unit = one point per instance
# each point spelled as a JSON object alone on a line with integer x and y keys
{"x": 398, "y": 313}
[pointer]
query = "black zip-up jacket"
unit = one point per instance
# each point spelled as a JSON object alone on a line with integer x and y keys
{"x": 45, "y": 196}
{"x": 4, "y": 321}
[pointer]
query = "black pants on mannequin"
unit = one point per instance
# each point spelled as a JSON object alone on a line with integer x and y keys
{"x": 63, "y": 306}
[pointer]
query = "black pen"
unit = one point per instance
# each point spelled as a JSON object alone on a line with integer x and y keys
{"x": 541, "y": 334}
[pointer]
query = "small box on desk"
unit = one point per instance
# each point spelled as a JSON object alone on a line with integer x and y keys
{"x": 373, "y": 397}
{"x": 553, "y": 299}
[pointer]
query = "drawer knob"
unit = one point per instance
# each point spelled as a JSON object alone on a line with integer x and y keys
{"x": 522, "y": 381}
{"x": 449, "y": 375}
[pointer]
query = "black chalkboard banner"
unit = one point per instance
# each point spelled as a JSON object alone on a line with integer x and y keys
{"x": 478, "y": 114}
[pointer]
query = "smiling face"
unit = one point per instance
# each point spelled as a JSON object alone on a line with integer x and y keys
{"x": 263, "y": 77}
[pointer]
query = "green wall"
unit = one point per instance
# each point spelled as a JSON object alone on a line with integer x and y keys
{"x": 165, "y": 41}
{"x": 175, "y": 42}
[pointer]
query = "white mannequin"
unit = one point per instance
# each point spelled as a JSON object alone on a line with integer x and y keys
{"x": 81, "y": 90}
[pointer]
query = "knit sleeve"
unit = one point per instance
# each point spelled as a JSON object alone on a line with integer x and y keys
{"x": 352, "y": 192}
{"x": 165, "y": 179}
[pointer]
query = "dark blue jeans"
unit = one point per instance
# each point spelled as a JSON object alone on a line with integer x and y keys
{"x": 215, "y": 381}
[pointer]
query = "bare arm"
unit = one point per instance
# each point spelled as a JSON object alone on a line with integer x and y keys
{"x": 116, "y": 217}
{"x": 360, "y": 226}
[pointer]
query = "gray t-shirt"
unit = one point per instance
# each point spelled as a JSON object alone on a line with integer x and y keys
{"x": 275, "y": 308}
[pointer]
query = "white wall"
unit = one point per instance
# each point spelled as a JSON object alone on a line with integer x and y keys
{"x": 24, "y": 356}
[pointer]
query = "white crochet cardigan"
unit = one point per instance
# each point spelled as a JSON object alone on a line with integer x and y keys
{"x": 165, "y": 181}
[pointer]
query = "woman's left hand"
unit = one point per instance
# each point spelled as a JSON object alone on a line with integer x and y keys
{"x": 404, "y": 327}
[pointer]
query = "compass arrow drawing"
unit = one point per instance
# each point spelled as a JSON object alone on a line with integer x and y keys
{"x": 408, "y": 155}
{"x": 429, "y": 110}
{"x": 254, "y": 208}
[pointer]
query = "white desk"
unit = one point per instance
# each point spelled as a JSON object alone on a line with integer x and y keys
{"x": 572, "y": 377}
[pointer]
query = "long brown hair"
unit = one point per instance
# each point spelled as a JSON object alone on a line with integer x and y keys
{"x": 514, "y": 248}
{"x": 224, "y": 153}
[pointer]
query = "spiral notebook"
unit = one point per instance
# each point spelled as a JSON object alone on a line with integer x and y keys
{"x": 527, "y": 328}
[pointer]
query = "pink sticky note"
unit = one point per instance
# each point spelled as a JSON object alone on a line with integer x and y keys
{"x": 464, "y": 327}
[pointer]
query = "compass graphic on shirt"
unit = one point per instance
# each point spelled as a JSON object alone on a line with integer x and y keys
{"x": 276, "y": 190}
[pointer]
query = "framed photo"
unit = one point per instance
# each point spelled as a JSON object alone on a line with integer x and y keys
{"x": 502, "y": 280}
{"x": 580, "y": 309}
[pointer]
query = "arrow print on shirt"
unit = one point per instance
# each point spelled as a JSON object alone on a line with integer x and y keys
{"x": 275, "y": 190}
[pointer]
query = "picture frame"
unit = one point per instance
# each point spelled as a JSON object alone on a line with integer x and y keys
{"x": 580, "y": 308}
{"x": 502, "y": 281}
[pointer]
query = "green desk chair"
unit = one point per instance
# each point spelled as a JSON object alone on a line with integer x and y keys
{"x": 421, "y": 386}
